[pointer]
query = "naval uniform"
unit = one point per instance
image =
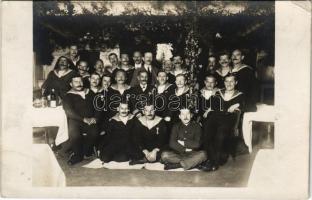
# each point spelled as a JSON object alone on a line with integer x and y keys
{"x": 219, "y": 127}
{"x": 118, "y": 147}
{"x": 149, "y": 138}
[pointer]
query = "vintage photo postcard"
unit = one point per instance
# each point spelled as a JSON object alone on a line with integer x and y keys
{"x": 155, "y": 99}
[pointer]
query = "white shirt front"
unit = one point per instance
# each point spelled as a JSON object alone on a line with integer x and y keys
{"x": 161, "y": 89}
{"x": 148, "y": 68}
{"x": 136, "y": 66}
{"x": 207, "y": 93}
{"x": 143, "y": 87}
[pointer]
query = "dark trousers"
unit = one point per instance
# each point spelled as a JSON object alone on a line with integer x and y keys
{"x": 218, "y": 131}
{"x": 115, "y": 149}
{"x": 79, "y": 144}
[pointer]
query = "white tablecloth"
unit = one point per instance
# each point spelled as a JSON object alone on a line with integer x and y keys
{"x": 265, "y": 113}
{"x": 42, "y": 117}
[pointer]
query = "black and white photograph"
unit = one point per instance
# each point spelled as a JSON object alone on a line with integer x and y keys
{"x": 153, "y": 93}
{"x": 156, "y": 99}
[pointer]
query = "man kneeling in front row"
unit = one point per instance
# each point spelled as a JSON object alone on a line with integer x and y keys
{"x": 185, "y": 141}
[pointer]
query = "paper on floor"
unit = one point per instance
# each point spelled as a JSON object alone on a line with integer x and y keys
{"x": 122, "y": 165}
{"x": 95, "y": 164}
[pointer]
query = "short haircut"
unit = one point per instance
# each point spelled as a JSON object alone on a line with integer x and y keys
{"x": 80, "y": 61}
{"x": 209, "y": 75}
{"x": 181, "y": 75}
{"x": 238, "y": 49}
{"x": 148, "y": 52}
{"x": 161, "y": 71}
{"x": 142, "y": 71}
{"x": 107, "y": 75}
{"x": 76, "y": 76}
{"x": 94, "y": 73}
{"x": 112, "y": 54}
{"x": 137, "y": 51}
{"x": 224, "y": 52}
{"x": 231, "y": 75}
{"x": 100, "y": 60}
{"x": 120, "y": 71}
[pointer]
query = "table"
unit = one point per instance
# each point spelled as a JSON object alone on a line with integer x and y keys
{"x": 46, "y": 170}
{"x": 42, "y": 117}
{"x": 264, "y": 113}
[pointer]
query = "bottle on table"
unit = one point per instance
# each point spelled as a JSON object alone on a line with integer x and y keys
{"x": 53, "y": 99}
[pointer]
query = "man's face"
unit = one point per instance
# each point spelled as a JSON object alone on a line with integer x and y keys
{"x": 162, "y": 78}
{"x": 143, "y": 78}
{"x": 177, "y": 61}
{"x": 73, "y": 51}
{"x": 210, "y": 83}
{"x": 185, "y": 116}
{"x": 82, "y": 67}
{"x": 77, "y": 84}
{"x": 237, "y": 57}
{"x": 187, "y": 61}
{"x": 149, "y": 112}
{"x": 224, "y": 60}
{"x": 63, "y": 63}
{"x": 106, "y": 82}
{"x": 123, "y": 110}
{"x": 113, "y": 59}
{"x": 167, "y": 65}
{"x": 212, "y": 62}
{"x": 99, "y": 68}
{"x": 137, "y": 57}
{"x": 94, "y": 80}
{"x": 124, "y": 59}
{"x": 180, "y": 81}
{"x": 230, "y": 83}
{"x": 148, "y": 58}
{"x": 120, "y": 78}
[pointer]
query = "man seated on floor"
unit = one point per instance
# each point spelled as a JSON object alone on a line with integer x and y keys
{"x": 82, "y": 119}
{"x": 149, "y": 137}
{"x": 185, "y": 140}
{"x": 117, "y": 148}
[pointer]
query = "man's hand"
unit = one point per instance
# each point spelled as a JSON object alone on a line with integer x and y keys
{"x": 181, "y": 142}
{"x": 232, "y": 108}
{"x": 152, "y": 156}
{"x": 89, "y": 121}
{"x": 206, "y": 113}
{"x": 167, "y": 119}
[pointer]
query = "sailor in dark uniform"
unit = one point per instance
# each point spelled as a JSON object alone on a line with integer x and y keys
{"x": 117, "y": 91}
{"x": 222, "y": 123}
{"x": 246, "y": 80}
{"x": 118, "y": 146}
{"x": 82, "y": 118}
{"x": 207, "y": 97}
{"x": 150, "y": 137}
{"x": 83, "y": 70}
{"x": 224, "y": 69}
{"x": 179, "y": 99}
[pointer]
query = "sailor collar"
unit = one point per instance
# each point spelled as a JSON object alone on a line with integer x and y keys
{"x": 167, "y": 85}
{"x": 186, "y": 89}
{"x": 114, "y": 87}
{"x": 156, "y": 121}
{"x": 213, "y": 92}
{"x": 219, "y": 72}
{"x": 82, "y": 93}
{"x": 117, "y": 118}
{"x": 241, "y": 67}
{"x": 235, "y": 94}
{"x": 61, "y": 75}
